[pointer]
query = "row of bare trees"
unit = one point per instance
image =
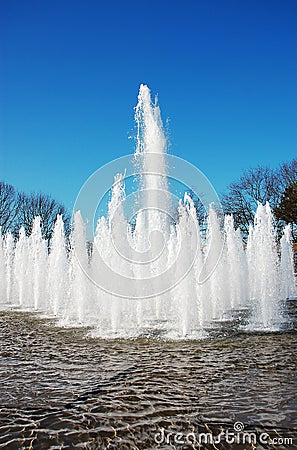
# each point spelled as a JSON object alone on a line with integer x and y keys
{"x": 18, "y": 209}
{"x": 262, "y": 184}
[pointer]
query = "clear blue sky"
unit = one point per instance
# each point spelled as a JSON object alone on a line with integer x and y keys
{"x": 225, "y": 72}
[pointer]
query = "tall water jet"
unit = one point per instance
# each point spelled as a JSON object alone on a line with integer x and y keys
{"x": 263, "y": 270}
{"x": 154, "y": 216}
{"x": 218, "y": 295}
{"x": 151, "y": 155}
{"x": 118, "y": 256}
{"x": 22, "y": 285}
{"x": 58, "y": 275}
{"x": 78, "y": 267}
{"x": 287, "y": 277}
{"x": 8, "y": 250}
{"x": 236, "y": 264}
{"x": 2, "y": 270}
{"x": 100, "y": 253}
{"x": 189, "y": 310}
{"x": 38, "y": 264}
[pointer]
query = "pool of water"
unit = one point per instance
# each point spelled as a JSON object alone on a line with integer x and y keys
{"x": 60, "y": 388}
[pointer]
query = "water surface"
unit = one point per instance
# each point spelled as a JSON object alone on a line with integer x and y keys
{"x": 62, "y": 389}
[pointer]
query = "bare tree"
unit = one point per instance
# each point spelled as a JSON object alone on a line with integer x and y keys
{"x": 30, "y": 206}
{"x": 19, "y": 209}
{"x": 259, "y": 185}
{"x": 288, "y": 173}
{"x": 8, "y": 208}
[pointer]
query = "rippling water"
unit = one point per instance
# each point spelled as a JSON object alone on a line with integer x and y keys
{"x": 62, "y": 389}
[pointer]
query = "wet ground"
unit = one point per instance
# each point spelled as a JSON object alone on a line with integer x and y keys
{"x": 61, "y": 389}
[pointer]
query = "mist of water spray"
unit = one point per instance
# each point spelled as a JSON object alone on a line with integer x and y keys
{"x": 159, "y": 275}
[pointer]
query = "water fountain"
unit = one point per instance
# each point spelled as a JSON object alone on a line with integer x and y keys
{"x": 158, "y": 275}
